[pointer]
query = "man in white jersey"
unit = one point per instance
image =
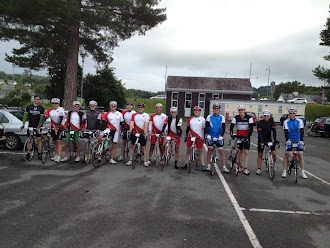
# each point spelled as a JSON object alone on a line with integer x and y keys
{"x": 157, "y": 125}
{"x": 74, "y": 123}
{"x": 127, "y": 114}
{"x": 195, "y": 128}
{"x": 56, "y": 115}
{"x": 114, "y": 119}
{"x": 174, "y": 130}
{"x": 139, "y": 125}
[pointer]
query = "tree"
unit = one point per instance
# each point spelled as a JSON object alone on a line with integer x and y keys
{"x": 103, "y": 88}
{"x": 288, "y": 88}
{"x": 47, "y": 27}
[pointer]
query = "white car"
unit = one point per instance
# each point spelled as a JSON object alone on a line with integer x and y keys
{"x": 297, "y": 100}
{"x": 158, "y": 97}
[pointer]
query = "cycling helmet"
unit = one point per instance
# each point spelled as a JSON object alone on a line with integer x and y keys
{"x": 92, "y": 103}
{"x": 172, "y": 109}
{"x": 55, "y": 100}
{"x": 266, "y": 112}
{"x": 240, "y": 107}
{"x": 129, "y": 103}
{"x": 37, "y": 95}
{"x": 216, "y": 105}
{"x": 159, "y": 105}
{"x": 112, "y": 103}
{"x": 141, "y": 104}
{"x": 76, "y": 103}
{"x": 197, "y": 108}
{"x": 292, "y": 109}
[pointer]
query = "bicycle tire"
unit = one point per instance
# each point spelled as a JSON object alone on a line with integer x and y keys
{"x": 50, "y": 147}
{"x": 135, "y": 157}
{"x": 296, "y": 169}
{"x": 233, "y": 162}
{"x": 126, "y": 152}
{"x": 196, "y": 159}
{"x": 86, "y": 153}
{"x": 44, "y": 152}
{"x": 271, "y": 167}
{"x": 236, "y": 169}
{"x": 289, "y": 165}
{"x": 97, "y": 156}
{"x": 212, "y": 169}
{"x": 71, "y": 152}
{"x": 31, "y": 150}
{"x": 191, "y": 161}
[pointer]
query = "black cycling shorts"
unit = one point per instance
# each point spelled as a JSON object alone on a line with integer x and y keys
{"x": 38, "y": 134}
{"x": 261, "y": 148}
{"x": 244, "y": 145}
{"x": 58, "y": 135}
{"x": 142, "y": 139}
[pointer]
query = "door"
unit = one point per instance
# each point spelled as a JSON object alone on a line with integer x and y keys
{"x": 201, "y": 103}
{"x": 187, "y": 105}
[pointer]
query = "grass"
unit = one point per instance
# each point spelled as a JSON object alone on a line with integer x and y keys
{"x": 313, "y": 111}
{"x": 150, "y": 103}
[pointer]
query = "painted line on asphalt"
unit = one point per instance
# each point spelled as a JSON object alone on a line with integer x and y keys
{"x": 11, "y": 153}
{"x": 253, "y": 238}
{"x": 283, "y": 211}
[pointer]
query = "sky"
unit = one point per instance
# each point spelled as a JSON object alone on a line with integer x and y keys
{"x": 220, "y": 38}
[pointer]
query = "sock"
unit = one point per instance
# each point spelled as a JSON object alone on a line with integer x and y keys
{"x": 284, "y": 170}
{"x": 208, "y": 165}
{"x": 224, "y": 166}
{"x": 302, "y": 171}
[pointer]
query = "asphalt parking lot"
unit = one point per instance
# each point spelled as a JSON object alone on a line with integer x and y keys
{"x": 64, "y": 205}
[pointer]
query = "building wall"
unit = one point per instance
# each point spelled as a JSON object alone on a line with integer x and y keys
{"x": 181, "y": 103}
{"x": 236, "y": 96}
{"x": 168, "y": 102}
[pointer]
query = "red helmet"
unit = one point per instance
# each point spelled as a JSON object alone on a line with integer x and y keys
{"x": 141, "y": 104}
{"x": 197, "y": 108}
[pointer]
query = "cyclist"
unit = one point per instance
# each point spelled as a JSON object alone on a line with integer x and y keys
{"x": 157, "y": 125}
{"x": 174, "y": 130}
{"x": 56, "y": 115}
{"x": 294, "y": 132}
{"x": 91, "y": 119}
{"x": 127, "y": 114}
{"x": 35, "y": 113}
{"x": 265, "y": 127}
{"x": 215, "y": 127}
{"x": 114, "y": 120}
{"x": 244, "y": 125}
{"x": 195, "y": 128}
{"x": 139, "y": 124}
{"x": 74, "y": 122}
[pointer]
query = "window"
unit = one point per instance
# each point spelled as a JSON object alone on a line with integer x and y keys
{"x": 188, "y": 100}
{"x": 215, "y": 96}
{"x": 3, "y": 118}
{"x": 280, "y": 109}
{"x": 175, "y": 97}
{"x": 260, "y": 109}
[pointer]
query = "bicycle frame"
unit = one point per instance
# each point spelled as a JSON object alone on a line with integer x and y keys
{"x": 157, "y": 148}
{"x": 47, "y": 145}
{"x": 194, "y": 156}
{"x": 233, "y": 157}
{"x": 268, "y": 159}
{"x": 137, "y": 151}
{"x": 29, "y": 144}
{"x": 89, "y": 146}
{"x": 293, "y": 161}
{"x": 168, "y": 152}
{"x": 214, "y": 157}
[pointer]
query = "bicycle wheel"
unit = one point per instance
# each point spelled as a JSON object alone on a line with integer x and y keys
{"x": 296, "y": 167}
{"x": 236, "y": 169}
{"x": 87, "y": 152}
{"x": 71, "y": 152}
{"x": 271, "y": 166}
{"x": 157, "y": 154}
{"x": 135, "y": 157}
{"x": 168, "y": 154}
{"x": 45, "y": 150}
{"x": 126, "y": 152}
{"x": 28, "y": 143}
{"x": 50, "y": 147}
{"x": 97, "y": 156}
{"x": 290, "y": 165}
{"x": 234, "y": 160}
{"x": 266, "y": 161}
{"x": 196, "y": 158}
{"x": 191, "y": 160}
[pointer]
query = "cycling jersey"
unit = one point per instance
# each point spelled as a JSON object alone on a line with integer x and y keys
{"x": 243, "y": 125}
{"x": 264, "y": 130}
{"x": 54, "y": 115}
{"x": 34, "y": 113}
{"x": 127, "y": 117}
{"x": 195, "y": 127}
{"x": 215, "y": 125}
{"x": 74, "y": 120}
{"x": 139, "y": 122}
{"x": 157, "y": 123}
{"x": 175, "y": 126}
{"x": 92, "y": 119}
{"x": 293, "y": 127}
{"x": 113, "y": 120}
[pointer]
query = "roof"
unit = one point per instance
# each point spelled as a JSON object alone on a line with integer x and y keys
{"x": 209, "y": 84}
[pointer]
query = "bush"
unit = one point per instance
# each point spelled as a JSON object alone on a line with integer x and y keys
{"x": 313, "y": 111}
{"x": 150, "y": 104}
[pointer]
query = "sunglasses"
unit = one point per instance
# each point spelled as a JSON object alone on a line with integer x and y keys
{"x": 216, "y": 108}
{"x": 241, "y": 109}
{"x": 140, "y": 107}
{"x": 114, "y": 106}
{"x": 38, "y": 99}
{"x": 197, "y": 110}
{"x": 266, "y": 115}
{"x": 292, "y": 113}
{"x": 173, "y": 112}
{"x": 77, "y": 105}
{"x": 55, "y": 103}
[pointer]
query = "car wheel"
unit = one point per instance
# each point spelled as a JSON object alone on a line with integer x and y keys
{"x": 12, "y": 141}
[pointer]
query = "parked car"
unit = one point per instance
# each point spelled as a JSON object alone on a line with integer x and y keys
{"x": 263, "y": 99}
{"x": 253, "y": 116}
{"x": 158, "y": 97}
{"x": 11, "y": 119}
{"x": 286, "y": 116}
{"x": 297, "y": 100}
{"x": 321, "y": 126}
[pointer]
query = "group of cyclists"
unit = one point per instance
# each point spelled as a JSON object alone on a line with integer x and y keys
{"x": 131, "y": 124}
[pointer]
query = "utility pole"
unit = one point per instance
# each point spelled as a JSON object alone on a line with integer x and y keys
{"x": 83, "y": 55}
{"x": 268, "y": 82}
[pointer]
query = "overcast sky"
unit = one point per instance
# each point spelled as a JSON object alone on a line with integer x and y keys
{"x": 218, "y": 38}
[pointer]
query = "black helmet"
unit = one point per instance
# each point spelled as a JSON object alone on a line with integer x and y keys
{"x": 37, "y": 95}
{"x": 129, "y": 103}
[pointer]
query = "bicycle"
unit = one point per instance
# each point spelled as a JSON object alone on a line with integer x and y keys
{"x": 47, "y": 146}
{"x": 101, "y": 151}
{"x": 268, "y": 160}
{"x": 194, "y": 155}
{"x": 137, "y": 154}
{"x": 127, "y": 147}
{"x": 293, "y": 161}
{"x": 30, "y": 144}
{"x": 168, "y": 152}
{"x": 214, "y": 157}
{"x": 310, "y": 131}
{"x": 233, "y": 157}
{"x": 89, "y": 146}
{"x": 157, "y": 148}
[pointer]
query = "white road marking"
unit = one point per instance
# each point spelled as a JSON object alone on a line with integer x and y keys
{"x": 11, "y": 153}
{"x": 253, "y": 238}
{"x": 284, "y": 211}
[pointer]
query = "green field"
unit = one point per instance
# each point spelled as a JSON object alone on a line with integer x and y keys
{"x": 150, "y": 103}
{"x": 313, "y": 111}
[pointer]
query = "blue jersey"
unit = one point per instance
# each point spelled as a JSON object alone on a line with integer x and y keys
{"x": 293, "y": 127}
{"x": 215, "y": 125}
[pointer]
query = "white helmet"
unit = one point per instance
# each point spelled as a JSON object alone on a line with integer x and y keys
{"x": 266, "y": 112}
{"x": 172, "y": 109}
{"x": 240, "y": 107}
{"x": 93, "y": 103}
{"x": 76, "y": 103}
{"x": 55, "y": 100}
{"x": 159, "y": 105}
{"x": 112, "y": 103}
{"x": 292, "y": 109}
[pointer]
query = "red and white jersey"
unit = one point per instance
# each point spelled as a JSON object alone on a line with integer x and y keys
{"x": 54, "y": 115}
{"x": 197, "y": 125}
{"x": 242, "y": 125}
{"x": 127, "y": 117}
{"x": 157, "y": 123}
{"x": 113, "y": 120}
{"x": 173, "y": 130}
{"x": 139, "y": 122}
{"x": 74, "y": 121}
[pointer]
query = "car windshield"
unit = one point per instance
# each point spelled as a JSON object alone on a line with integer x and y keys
{"x": 19, "y": 115}
{"x": 251, "y": 114}
{"x": 318, "y": 120}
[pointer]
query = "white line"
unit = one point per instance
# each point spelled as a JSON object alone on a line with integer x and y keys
{"x": 253, "y": 238}
{"x": 11, "y": 153}
{"x": 284, "y": 211}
